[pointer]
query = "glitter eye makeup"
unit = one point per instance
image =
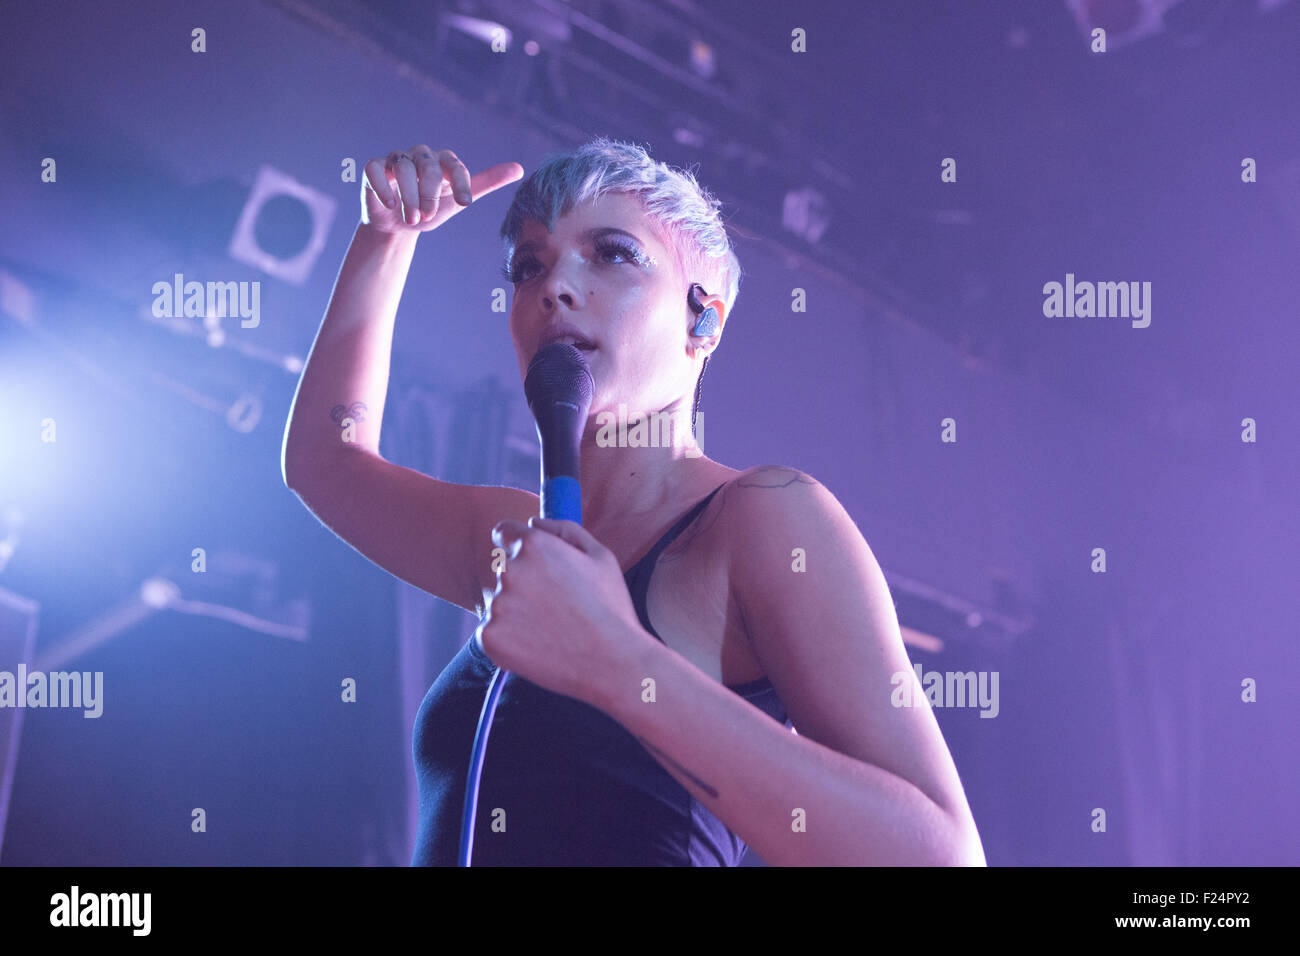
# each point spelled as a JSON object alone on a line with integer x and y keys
{"x": 515, "y": 271}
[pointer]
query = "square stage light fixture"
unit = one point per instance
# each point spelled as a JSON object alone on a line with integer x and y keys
{"x": 283, "y": 226}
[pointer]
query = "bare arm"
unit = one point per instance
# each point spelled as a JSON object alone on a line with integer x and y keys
{"x": 432, "y": 533}
{"x": 869, "y": 779}
{"x": 349, "y": 361}
{"x": 404, "y": 195}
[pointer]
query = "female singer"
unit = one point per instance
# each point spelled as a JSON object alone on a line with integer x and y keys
{"x": 711, "y": 660}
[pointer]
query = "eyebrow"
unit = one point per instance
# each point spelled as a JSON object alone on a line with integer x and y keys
{"x": 589, "y": 236}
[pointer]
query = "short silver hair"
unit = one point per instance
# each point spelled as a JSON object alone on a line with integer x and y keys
{"x": 687, "y": 214}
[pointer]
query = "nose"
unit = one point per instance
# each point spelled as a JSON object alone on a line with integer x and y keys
{"x": 549, "y": 299}
{"x": 560, "y": 286}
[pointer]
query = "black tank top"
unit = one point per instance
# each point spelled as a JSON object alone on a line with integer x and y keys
{"x": 564, "y": 784}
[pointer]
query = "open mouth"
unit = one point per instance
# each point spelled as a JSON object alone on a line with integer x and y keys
{"x": 581, "y": 344}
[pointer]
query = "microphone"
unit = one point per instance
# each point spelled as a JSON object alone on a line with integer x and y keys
{"x": 559, "y": 389}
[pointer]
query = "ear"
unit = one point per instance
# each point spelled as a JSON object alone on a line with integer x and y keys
{"x": 718, "y": 303}
{"x": 708, "y": 302}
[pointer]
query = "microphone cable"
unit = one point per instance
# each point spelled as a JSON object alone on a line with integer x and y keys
{"x": 559, "y": 388}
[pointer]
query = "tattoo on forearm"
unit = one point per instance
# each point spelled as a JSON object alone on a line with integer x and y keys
{"x": 684, "y": 772}
{"x": 356, "y": 411}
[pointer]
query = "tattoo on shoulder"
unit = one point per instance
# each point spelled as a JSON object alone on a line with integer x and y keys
{"x": 772, "y": 477}
{"x": 682, "y": 770}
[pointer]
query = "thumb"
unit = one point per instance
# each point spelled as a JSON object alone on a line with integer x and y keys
{"x": 570, "y": 531}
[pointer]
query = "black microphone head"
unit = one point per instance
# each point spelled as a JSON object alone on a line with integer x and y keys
{"x": 559, "y": 389}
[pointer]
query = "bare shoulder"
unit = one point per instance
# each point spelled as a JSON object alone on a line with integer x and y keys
{"x": 761, "y": 478}
{"x": 763, "y": 495}
{"x": 767, "y": 510}
{"x": 774, "y": 515}
{"x": 719, "y": 523}
{"x": 821, "y": 624}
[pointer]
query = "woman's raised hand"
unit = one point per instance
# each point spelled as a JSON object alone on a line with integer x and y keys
{"x": 420, "y": 189}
